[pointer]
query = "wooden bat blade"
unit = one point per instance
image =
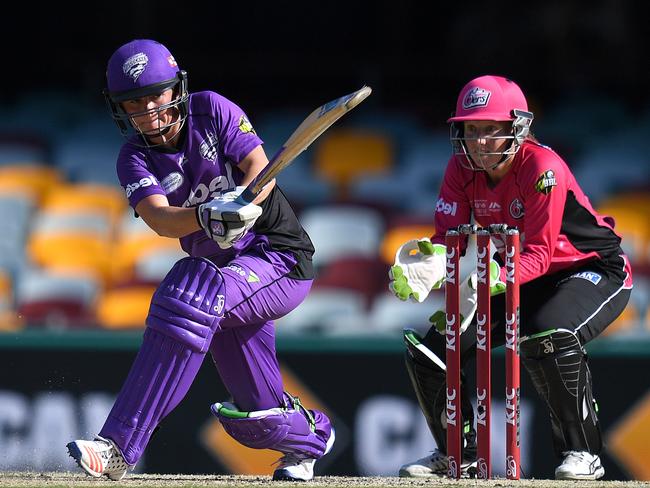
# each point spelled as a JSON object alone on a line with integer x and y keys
{"x": 307, "y": 132}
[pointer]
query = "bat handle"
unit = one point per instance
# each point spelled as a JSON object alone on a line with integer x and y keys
{"x": 246, "y": 197}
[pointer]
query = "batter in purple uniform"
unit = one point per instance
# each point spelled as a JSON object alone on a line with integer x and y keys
{"x": 186, "y": 159}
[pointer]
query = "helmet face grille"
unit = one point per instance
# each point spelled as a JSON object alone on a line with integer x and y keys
{"x": 125, "y": 123}
{"x": 521, "y": 122}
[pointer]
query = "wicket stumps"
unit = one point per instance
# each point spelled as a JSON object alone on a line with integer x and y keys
{"x": 483, "y": 349}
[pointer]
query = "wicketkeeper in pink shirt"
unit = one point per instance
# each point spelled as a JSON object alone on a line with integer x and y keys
{"x": 575, "y": 279}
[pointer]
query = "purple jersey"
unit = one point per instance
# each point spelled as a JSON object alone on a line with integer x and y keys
{"x": 216, "y": 137}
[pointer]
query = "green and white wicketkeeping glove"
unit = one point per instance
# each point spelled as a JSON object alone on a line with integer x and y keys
{"x": 467, "y": 304}
{"x": 419, "y": 268}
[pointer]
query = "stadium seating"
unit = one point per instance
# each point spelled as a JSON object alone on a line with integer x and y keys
{"x": 15, "y": 213}
{"x": 632, "y": 221}
{"x": 134, "y": 242}
{"x": 390, "y": 315}
{"x": 55, "y": 299}
{"x": 9, "y": 319}
{"x": 22, "y": 148}
{"x": 71, "y": 242}
{"x": 32, "y": 180}
{"x": 342, "y": 230}
{"x": 153, "y": 266}
{"x": 105, "y": 199}
{"x": 124, "y": 307}
{"x": 345, "y": 155}
{"x": 322, "y": 307}
{"x": 72, "y": 252}
{"x": 360, "y": 274}
{"x": 397, "y": 235}
{"x": 88, "y": 152}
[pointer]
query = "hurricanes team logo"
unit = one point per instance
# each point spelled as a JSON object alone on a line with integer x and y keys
{"x": 209, "y": 147}
{"x": 476, "y": 97}
{"x": 135, "y": 65}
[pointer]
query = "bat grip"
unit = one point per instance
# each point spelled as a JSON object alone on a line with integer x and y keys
{"x": 246, "y": 197}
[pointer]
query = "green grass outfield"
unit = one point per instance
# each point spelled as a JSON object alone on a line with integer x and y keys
{"x": 75, "y": 480}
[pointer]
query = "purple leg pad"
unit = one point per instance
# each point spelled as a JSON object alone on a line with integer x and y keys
{"x": 183, "y": 316}
{"x": 159, "y": 379}
{"x": 188, "y": 304}
{"x": 288, "y": 430}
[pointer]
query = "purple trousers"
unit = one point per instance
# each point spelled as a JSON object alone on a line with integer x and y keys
{"x": 243, "y": 350}
{"x": 255, "y": 290}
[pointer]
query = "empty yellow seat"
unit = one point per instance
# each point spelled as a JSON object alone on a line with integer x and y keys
{"x": 134, "y": 240}
{"x": 105, "y": 199}
{"x": 9, "y": 319}
{"x": 72, "y": 252}
{"x": 33, "y": 180}
{"x": 344, "y": 155}
{"x": 396, "y": 236}
{"x": 628, "y": 320}
{"x": 124, "y": 308}
{"x": 129, "y": 250}
{"x": 638, "y": 201}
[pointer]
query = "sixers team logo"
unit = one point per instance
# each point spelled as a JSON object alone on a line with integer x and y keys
{"x": 516, "y": 209}
{"x": 476, "y": 97}
{"x": 135, "y": 65}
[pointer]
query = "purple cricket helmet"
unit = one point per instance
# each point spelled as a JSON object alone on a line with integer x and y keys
{"x": 141, "y": 68}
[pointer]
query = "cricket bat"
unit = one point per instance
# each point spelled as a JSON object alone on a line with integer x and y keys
{"x": 313, "y": 126}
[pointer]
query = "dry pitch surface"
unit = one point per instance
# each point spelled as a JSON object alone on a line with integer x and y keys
{"x": 76, "y": 480}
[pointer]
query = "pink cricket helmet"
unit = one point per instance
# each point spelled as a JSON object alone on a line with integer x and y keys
{"x": 489, "y": 98}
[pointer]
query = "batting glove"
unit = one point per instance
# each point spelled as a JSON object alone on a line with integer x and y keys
{"x": 224, "y": 220}
{"x": 419, "y": 268}
{"x": 467, "y": 303}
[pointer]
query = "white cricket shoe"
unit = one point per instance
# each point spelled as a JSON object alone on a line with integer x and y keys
{"x": 294, "y": 468}
{"x": 99, "y": 457}
{"x": 579, "y": 465}
{"x": 435, "y": 465}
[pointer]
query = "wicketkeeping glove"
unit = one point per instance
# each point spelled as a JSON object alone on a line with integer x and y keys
{"x": 225, "y": 221}
{"x": 467, "y": 304}
{"x": 419, "y": 268}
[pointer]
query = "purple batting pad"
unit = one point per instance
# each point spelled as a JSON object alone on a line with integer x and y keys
{"x": 160, "y": 377}
{"x": 292, "y": 429}
{"x": 185, "y": 311}
{"x": 188, "y": 304}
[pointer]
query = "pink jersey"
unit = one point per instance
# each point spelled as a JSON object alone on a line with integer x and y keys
{"x": 540, "y": 196}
